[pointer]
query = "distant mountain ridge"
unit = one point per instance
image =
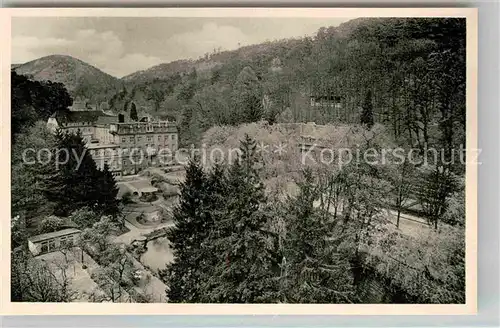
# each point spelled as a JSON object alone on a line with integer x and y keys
{"x": 217, "y": 59}
{"x": 80, "y": 78}
{"x": 204, "y": 64}
{"x": 83, "y": 79}
{"x": 166, "y": 70}
{"x": 148, "y": 88}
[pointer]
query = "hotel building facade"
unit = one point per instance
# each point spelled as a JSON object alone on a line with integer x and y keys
{"x": 126, "y": 147}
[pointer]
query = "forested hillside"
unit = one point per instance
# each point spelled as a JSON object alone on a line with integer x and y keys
{"x": 410, "y": 71}
{"x": 80, "y": 79}
{"x": 33, "y": 100}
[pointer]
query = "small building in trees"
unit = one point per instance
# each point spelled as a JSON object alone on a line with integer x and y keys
{"x": 141, "y": 188}
{"x": 326, "y": 100}
{"x": 53, "y": 241}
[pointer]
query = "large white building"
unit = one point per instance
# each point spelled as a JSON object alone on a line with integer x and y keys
{"x": 126, "y": 147}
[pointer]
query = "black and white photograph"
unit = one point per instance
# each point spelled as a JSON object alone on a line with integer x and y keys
{"x": 241, "y": 160}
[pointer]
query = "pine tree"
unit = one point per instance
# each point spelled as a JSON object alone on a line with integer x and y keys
{"x": 51, "y": 180}
{"x": 186, "y": 237}
{"x": 253, "y": 109}
{"x": 216, "y": 195}
{"x": 367, "y": 112}
{"x": 74, "y": 181}
{"x": 242, "y": 271}
{"x": 125, "y": 106}
{"x": 313, "y": 272}
{"x": 83, "y": 178}
{"x": 247, "y": 97}
{"x": 108, "y": 191}
{"x": 133, "y": 112}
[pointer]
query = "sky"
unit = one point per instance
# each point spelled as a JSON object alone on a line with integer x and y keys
{"x": 122, "y": 45}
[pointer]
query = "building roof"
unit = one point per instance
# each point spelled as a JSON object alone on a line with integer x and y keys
{"x": 126, "y": 128}
{"x": 151, "y": 123}
{"x": 100, "y": 146}
{"x": 107, "y": 119}
{"x": 142, "y": 186}
{"x": 81, "y": 116}
{"x": 50, "y": 235}
{"x": 149, "y": 189}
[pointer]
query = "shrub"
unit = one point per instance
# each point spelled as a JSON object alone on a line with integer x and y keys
{"x": 127, "y": 198}
{"x": 455, "y": 212}
{"x": 149, "y": 197}
{"x": 141, "y": 217}
{"x": 50, "y": 224}
{"x": 429, "y": 267}
{"x": 84, "y": 217}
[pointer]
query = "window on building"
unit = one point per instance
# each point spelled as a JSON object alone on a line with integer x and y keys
{"x": 124, "y": 140}
{"x": 52, "y": 245}
{"x": 131, "y": 139}
{"x": 150, "y": 139}
{"x": 63, "y": 241}
{"x": 45, "y": 247}
{"x": 139, "y": 138}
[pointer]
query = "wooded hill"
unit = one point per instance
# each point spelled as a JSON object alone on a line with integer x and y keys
{"x": 411, "y": 71}
{"x": 80, "y": 79}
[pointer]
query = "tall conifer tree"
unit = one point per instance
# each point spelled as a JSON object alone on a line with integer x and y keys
{"x": 133, "y": 112}
{"x": 367, "y": 112}
{"x": 107, "y": 194}
{"x": 71, "y": 179}
{"x": 189, "y": 218}
{"x": 313, "y": 272}
{"x": 243, "y": 271}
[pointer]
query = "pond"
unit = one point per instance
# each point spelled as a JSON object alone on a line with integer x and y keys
{"x": 158, "y": 254}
